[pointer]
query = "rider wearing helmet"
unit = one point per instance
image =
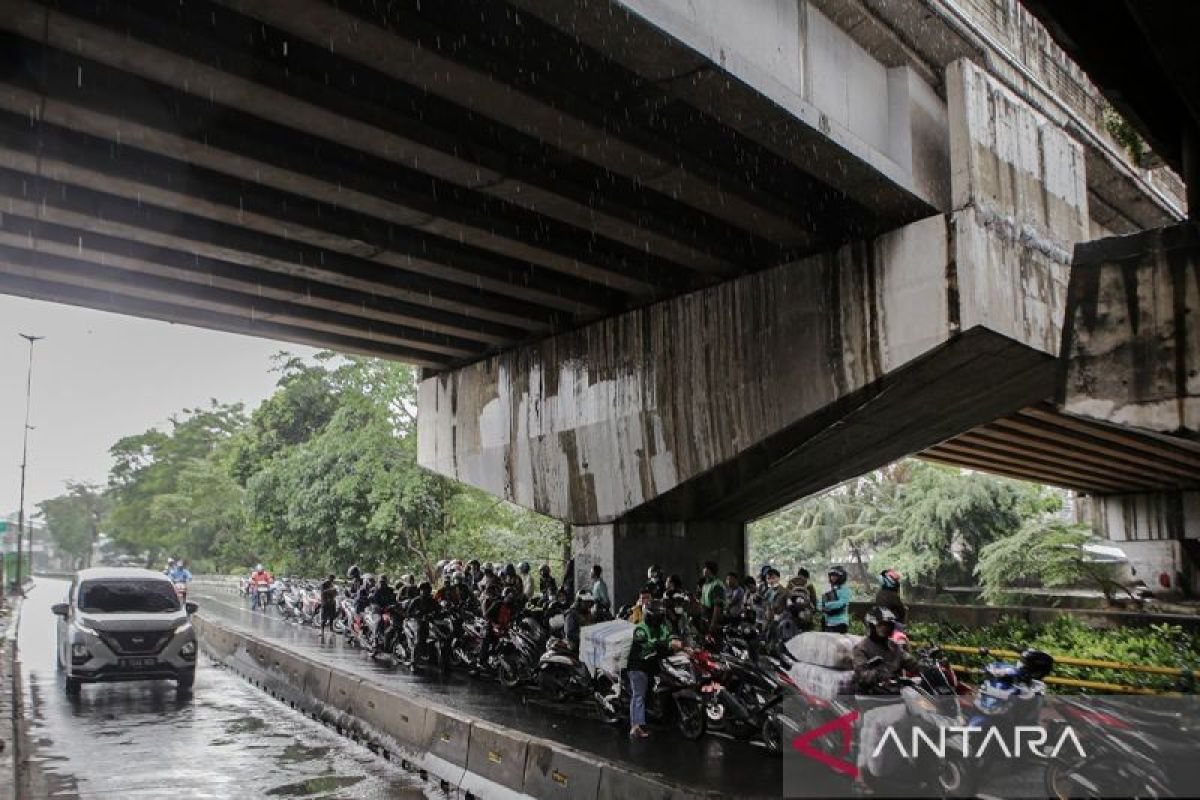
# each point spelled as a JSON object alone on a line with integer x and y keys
{"x": 526, "y": 576}
{"x": 835, "y": 603}
{"x": 578, "y": 615}
{"x": 888, "y": 596}
{"x": 655, "y": 582}
{"x": 354, "y": 577}
{"x": 259, "y": 577}
{"x": 547, "y": 587}
{"x": 877, "y": 658}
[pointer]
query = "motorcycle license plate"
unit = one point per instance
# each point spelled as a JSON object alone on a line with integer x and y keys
{"x": 137, "y": 663}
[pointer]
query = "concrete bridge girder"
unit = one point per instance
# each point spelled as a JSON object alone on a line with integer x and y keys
{"x": 721, "y": 385}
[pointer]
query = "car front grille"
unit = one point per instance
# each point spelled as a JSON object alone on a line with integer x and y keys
{"x": 136, "y": 643}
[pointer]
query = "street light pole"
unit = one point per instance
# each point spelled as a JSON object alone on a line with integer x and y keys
{"x": 24, "y": 463}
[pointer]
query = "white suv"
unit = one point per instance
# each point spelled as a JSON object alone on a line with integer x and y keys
{"x": 125, "y": 624}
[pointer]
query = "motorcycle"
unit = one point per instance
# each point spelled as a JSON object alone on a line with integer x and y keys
{"x": 744, "y": 694}
{"x": 561, "y": 675}
{"x": 1126, "y": 750}
{"x": 262, "y": 596}
{"x": 181, "y": 589}
{"x": 674, "y": 694}
{"x": 426, "y": 638}
{"x": 518, "y": 652}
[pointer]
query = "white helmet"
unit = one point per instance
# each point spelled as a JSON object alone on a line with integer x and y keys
{"x": 258, "y": 567}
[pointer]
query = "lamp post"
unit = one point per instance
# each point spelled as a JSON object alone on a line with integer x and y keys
{"x": 24, "y": 463}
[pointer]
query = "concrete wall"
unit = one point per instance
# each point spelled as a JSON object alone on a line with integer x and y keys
{"x": 1153, "y": 528}
{"x": 1132, "y": 345}
{"x": 626, "y": 550}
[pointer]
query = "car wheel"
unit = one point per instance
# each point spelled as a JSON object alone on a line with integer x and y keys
{"x": 74, "y": 687}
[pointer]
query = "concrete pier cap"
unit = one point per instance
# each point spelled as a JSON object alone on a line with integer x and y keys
{"x": 661, "y": 431}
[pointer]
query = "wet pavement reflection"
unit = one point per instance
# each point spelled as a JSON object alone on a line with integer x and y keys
{"x": 714, "y": 763}
{"x": 227, "y": 739}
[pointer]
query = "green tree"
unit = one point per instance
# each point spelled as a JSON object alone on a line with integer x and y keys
{"x": 157, "y": 483}
{"x": 73, "y": 520}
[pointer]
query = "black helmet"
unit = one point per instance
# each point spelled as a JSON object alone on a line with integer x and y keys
{"x": 354, "y": 572}
{"x": 383, "y": 580}
{"x": 1036, "y": 664}
{"x": 879, "y": 614}
{"x": 458, "y": 579}
{"x": 509, "y": 596}
{"x": 654, "y": 613}
{"x": 426, "y": 588}
{"x": 544, "y": 569}
{"x": 654, "y": 573}
{"x": 837, "y": 574}
{"x": 523, "y": 568}
{"x": 509, "y": 570}
{"x": 474, "y": 562}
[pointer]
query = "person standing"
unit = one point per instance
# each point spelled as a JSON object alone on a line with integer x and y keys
{"x": 547, "y": 588}
{"x": 600, "y": 592}
{"x": 329, "y": 597}
{"x": 802, "y": 582}
{"x": 835, "y": 603}
{"x": 888, "y": 597}
{"x": 712, "y": 598}
{"x": 651, "y": 641}
{"x": 735, "y": 596}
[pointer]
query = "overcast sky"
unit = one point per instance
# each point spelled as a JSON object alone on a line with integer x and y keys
{"x": 98, "y": 377}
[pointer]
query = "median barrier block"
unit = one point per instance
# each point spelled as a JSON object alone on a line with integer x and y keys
{"x": 390, "y": 713}
{"x": 343, "y": 692}
{"x": 554, "y": 772}
{"x": 447, "y": 736}
{"x": 618, "y": 782}
{"x": 497, "y": 754}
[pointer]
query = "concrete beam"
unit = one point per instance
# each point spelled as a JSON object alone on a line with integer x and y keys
{"x": 1132, "y": 344}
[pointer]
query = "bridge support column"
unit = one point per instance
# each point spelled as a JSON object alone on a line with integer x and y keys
{"x": 1160, "y": 534}
{"x": 626, "y": 549}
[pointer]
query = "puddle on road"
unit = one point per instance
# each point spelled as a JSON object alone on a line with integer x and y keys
{"x": 327, "y": 783}
{"x": 244, "y": 725}
{"x": 298, "y": 754}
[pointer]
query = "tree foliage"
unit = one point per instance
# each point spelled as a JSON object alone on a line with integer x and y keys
{"x": 320, "y": 475}
{"x": 933, "y": 523}
{"x": 73, "y": 520}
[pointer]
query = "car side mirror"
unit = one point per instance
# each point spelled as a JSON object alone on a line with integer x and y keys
{"x": 191, "y": 607}
{"x": 61, "y": 609}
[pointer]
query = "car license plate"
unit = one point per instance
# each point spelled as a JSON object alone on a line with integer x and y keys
{"x": 138, "y": 662}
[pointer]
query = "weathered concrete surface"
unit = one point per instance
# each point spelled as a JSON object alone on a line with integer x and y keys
{"x": 1159, "y": 532}
{"x": 1132, "y": 343}
{"x": 665, "y": 412}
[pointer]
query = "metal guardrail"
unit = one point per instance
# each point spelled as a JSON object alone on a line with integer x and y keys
{"x": 1186, "y": 676}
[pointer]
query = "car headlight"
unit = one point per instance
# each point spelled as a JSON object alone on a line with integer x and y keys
{"x": 80, "y": 653}
{"x": 82, "y": 628}
{"x": 188, "y": 650}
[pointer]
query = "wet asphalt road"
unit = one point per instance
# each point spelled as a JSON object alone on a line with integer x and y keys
{"x": 143, "y": 740}
{"x": 734, "y": 768}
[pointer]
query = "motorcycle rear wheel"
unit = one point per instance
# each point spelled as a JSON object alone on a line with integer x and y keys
{"x": 692, "y": 720}
{"x": 507, "y": 674}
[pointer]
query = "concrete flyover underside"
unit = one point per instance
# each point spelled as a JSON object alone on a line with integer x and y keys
{"x": 430, "y": 182}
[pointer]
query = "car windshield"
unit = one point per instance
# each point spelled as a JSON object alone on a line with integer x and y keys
{"x": 115, "y": 596}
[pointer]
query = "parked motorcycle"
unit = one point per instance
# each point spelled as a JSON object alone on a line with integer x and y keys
{"x": 674, "y": 694}
{"x": 562, "y": 675}
{"x": 518, "y": 653}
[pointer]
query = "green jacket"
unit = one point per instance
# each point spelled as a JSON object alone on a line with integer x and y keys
{"x": 649, "y": 645}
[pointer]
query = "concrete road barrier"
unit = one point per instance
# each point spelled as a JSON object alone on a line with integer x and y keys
{"x": 497, "y": 754}
{"x": 554, "y": 772}
{"x": 397, "y": 716}
{"x": 477, "y": 757}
